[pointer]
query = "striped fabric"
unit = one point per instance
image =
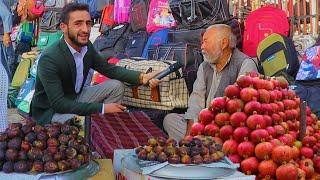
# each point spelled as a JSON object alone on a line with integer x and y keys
{"x": 121, "y": 131}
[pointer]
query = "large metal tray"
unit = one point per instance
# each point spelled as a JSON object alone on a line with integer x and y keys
{"x": 84, "y": 172}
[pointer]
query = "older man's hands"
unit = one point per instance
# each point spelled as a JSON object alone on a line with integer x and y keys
{"x": 148, "y": 79}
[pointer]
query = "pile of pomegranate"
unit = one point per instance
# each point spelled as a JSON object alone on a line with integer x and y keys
{"x": 258, "y": 120}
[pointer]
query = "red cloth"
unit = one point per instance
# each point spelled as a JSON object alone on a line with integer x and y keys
{"x": 121, "y": 131}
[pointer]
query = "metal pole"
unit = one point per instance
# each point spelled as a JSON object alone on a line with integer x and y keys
{"x": 303, "y": 120}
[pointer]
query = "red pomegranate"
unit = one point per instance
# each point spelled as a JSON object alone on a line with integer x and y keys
{"x": 285, "y": 140}
{"x": 281, "y": 154}
{"x": 267, "y": 169}
{"x": 238, "y": 119}
{"x": 291, "y": 94}
{"x": 284, "y": 93}
{"x": 253, "y": 74}
{"x": 282, "y": 116}
{"x": 280, "y": 105}
{"x": 232, "y": 91}
{"x": 271, "y": 131}
{"x": 226, "y": 132}
{"x": 276, "y": 118}
{"x": 249, "y": 94}
{"x": 309, "y": 121}
{"x": 275, "y": 142}
{"x": 206, "y": 116}
{"x": 249, "y": 166}
{"x": 289, "y": 104}
{"x": 234, "y": 105}
{"x": 286, "y": 172}
{"x": 235, "y": 158}
{"x": 309, "y": 141}
{"x": 246, "y": 149}
{"x": 279, "y": 94}
{"x": 283, "y": 83}
{"x": 295, "y": 152}
{"x": 244, "y": 81}
{"x": 256, "y": 121}
{"x": 258, "y": 83}
{"x": 269, "y": 85}
{"x": 197, "y": 129}
{"x": 285, "y": 126}
{"x": 211, "y": 130}
{"x": 316, "y": 163}
{"x": 241, "y": 133}
{"x": 266, "y": 108}
{"x": 230, "y": 146}
{"x": 273, "y": 96}
{"x": 306, "y": 152}
{"x": 308, "y": 111}
{"x": 259, "y": 135}
{"x": 218, "y": 104}
{"x": 309, "y": 130}
{"x": 293, "y": 134}
{"x": 267, "y": 119}
{"x": 252, "y": 106}
{"x": 279, "y": 130}
{"x": 289, "y": 114}
{"x": 275, "y": 107}
{"x": 222, "y": 119}
{"x": 307, "y": 166}
{"x": 263, "y": 150}
{"x": 264, "y": 96}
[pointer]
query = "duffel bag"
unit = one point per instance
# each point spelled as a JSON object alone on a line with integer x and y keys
{"x": 171, "y": 93}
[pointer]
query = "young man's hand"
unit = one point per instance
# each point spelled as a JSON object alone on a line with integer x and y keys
{"x": 113, "y": 107}
{"x": 6, "y": 39}
{"x": 148, "y": 79}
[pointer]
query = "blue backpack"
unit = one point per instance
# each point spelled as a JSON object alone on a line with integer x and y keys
{"x": 92, "y": 7}
{"x": 156, "y": 38}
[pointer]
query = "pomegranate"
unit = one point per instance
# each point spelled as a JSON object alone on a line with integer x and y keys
{"x": 289, "y": 104}
{"x": 301, "y": 174}
{"x": 266, "y": 108}
{"x": 258, "y": 83}
{"x": 230, "y": 146}
{"x": 275, "y": 107}
{"x": 286, "y": 172}
{"x": 211, "y": 130}
{"x": 273, "y": 96}
{"x": 276, "y": 118}
{"x": 309, "y": 141}
{"x": 253, "y": 74}
{"x": 232, "y": 91}
{"x": 306, "y": 152}
{"x": 275, "y": 142}
{"x": 314, "y": 117}
{"x": 297, "y": 100}
{"x": 279, "y": 130}
{"x": 206, "y": 116}
{"x": 217, "y": 140}
{"x": 252, "y": 106}
{"x": 280, "y": 105}
{"x": 271, "y": 131}
{"x": 234, "y": 105}
{"x": 308, "y": 111}
{"x": 289, "y": 114}
{"x": 284, "y": 140}
{"x": 249, "y": 94}
{"x": 267, "y": 168}
{"x": 316, "y": 163}
{"x": 309, "y": 130}
{"x": 263, "y": 150}
{"x": 226, "y": 132}
{"x": 285, "y": 126}
{"x": 284, "y": 93}
{"x": 307, "y": 166}
{"x": 222, "y": 119}
{"x": 256, "y": 121}
{"x": 291, "y": 94}
{"x": 218, "y": 104}
{"x": 282, "y": 116}
{"x": 235, "y": 158}
{"x": 264, "y": 96}
{"x": 275, "y": 83}
{"x": 295, "y": 152}
{"x": 269, "y": 85}
{"x": 309, "y": 121}
{"x": 281, "y": 154}
{"x": 246, "y": 149}
{"x": 238, "y": 119}
{"x": 283, "y": 83}
{"x": 244, "y": 81}
{"x": 197, "y": 129}
{"x": 298, "y": 144}
{"x": 267, "y": 119}
{"x": 249, "y": 166}
{"x": 259, "y": 135}
{"x": 279, "y": 95}
{"x": 241, "y": 133}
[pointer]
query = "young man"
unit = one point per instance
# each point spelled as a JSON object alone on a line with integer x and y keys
{"x": 63, "y": 69}
{"x": 224, "y": 63}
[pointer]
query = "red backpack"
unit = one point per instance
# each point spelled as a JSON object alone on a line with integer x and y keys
{"x": 260, "y": 24}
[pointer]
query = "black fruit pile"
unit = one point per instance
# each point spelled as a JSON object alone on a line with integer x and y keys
{"x": 190, "y": 150}
{"x": 50, "y": 148}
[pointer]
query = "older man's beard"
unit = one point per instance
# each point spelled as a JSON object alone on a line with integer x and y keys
{"x": 212, "y": 59}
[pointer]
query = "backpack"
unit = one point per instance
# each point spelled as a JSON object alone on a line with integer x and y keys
{"x": 278, "y": 56}
{"x": 156, "y": 38}
{"x": 122, "y": 11}
{"x": 26, "y": 32}
{"x": 139, "y": 14}
{"x": 113, "y": 43}
{"x": 195, "y": 14}
{"x": 92, "y": 7}
{"x": 50, "y": 20}
{"x": 159, "y": 16}
{"x": 261, "y": 23}
{"x": 46, "y": 38}
{"x": 107, "y": 19}
{"x": 136, "y": 43}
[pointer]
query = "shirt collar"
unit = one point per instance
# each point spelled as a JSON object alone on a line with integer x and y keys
{"x": 214, "y": 66}
{"x": 83, "y": 51}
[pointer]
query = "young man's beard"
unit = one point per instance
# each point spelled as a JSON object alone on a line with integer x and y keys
{"x": 74, "y": 40}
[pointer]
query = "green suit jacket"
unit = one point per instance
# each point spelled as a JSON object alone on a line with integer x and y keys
{"x": 56, "y": 77}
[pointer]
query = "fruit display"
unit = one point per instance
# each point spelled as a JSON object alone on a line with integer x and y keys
{"x": 258, "y": 121}
{"x": 34, "y": 148}
{"x": 190, "y": 150}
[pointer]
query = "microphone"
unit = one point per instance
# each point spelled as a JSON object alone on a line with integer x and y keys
{"x": 172, "y": 68}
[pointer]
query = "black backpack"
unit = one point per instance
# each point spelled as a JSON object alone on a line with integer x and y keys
{"x": 136, "y": 43}
{"x": 139, "y": 14}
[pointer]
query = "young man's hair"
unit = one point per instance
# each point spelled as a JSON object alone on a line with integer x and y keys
{"x": 71, "y": 7}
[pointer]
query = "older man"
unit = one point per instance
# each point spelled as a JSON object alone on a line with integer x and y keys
{"x": 223, "y": 63}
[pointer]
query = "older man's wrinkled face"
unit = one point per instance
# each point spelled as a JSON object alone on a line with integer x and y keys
{"x": 211, "y": 47}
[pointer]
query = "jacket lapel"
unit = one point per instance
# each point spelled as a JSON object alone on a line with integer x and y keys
{"x": 69, "y": 58}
